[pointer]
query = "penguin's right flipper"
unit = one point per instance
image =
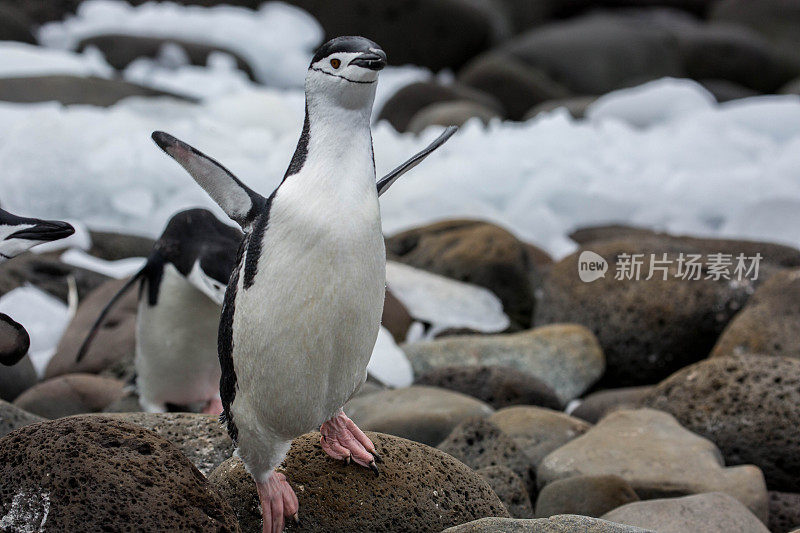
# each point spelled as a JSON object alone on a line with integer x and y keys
{"x": 114, "y": 299}
{"x": 14, "y": 341}
{"x": 385, "y": 182}
{"x": 239, "y": 202}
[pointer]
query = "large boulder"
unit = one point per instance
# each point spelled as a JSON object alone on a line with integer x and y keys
{"x": 474, "y": 252}
{"x": 598, "y": 53}
{"x": 404, "y": 105}
{"x": 437, "y": 33}
{"x": 584, "y": 495}
{"x": 510, "y": 488}
{"x": 516, "y": 85}
{"x": 91, "y": 473}
{"x": 769, "y": 322}
{"x": 565, "y": 523}
{"x": 538, "y": 431}
{"x": 422, "y": 414}
{"x": 16, "y": 379}
{"x": 713, "y": 512}
{"x": 478, "y": 443}
{"x": 659, "y": 458}
{"x": 566, "y": 357}
{"x": 784, "y": 511}
{"x": 499, "y": 386}
{"x": 72, "y": 90}
{"x": 749, "y": 405}
{"x": 598, "y": 404}
{"x": 649, "y": 328}
{"x": 201, "y": 438}
{"x": 114, "y": 345}
{"x": 12, "y": 417}
{"x": 419, "y": 489}
{"x": 121, "y": 50}
{"x": 70, "y": 394}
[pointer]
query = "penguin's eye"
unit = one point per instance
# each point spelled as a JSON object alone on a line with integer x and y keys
{"x": 335, "y": 63}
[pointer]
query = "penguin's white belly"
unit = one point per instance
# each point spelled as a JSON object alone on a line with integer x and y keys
{"x": 176, "y": 344}
{"x": 303, "y": 333}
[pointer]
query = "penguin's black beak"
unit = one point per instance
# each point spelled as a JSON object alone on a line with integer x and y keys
{"x": 44, "y": 231}
{"x": 371, "y": 60}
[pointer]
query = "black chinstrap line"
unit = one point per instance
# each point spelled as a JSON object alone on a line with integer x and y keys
{"x": 342, "y": 77}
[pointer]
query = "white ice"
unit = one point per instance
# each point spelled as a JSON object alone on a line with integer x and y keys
{"x": 443, "y": 302}
{"x": 119, "y": 269}
{"x": 389, "y": 363}
{"x": 276, "y": 40}
{"x": 44, "y": 317}
{"x": 22, "y": 60}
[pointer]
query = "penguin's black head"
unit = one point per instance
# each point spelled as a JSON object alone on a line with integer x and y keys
{"x": 19, "y": 234}
{"x": 345, "y": 63}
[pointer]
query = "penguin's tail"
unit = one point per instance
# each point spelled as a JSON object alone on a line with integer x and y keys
{"x": 114, "y": 299}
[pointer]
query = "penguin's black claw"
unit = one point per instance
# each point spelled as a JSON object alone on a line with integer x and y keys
{"x": 347, "y": 460}
{"x": 374, "y": 468}
{"x": 296, "y": 519}
{"x": 378, "y": 458}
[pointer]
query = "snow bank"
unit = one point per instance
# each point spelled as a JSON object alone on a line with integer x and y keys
{"x": 727, "y": 170}
{"x": 21, "y": 59}
{"x": 119, "y": 269}
{"x": 276, "y": 40}
{"x": 389, "y": 363}
{"x": 43, "y": 316}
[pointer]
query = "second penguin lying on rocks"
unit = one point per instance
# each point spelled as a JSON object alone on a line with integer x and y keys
{"x": 181, "y": 291}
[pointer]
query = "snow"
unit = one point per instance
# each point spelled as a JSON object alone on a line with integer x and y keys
{"x": 119, "y": 269}
{"x": 715, "y": 172}
{"x": 276, "y": 40}
{"x": 443, "y": 302}
{"x": 43, "y": 316}
{"x": 389, "y": 363}
{"x": 28, "y": 512}
{"x": 22, "y": 60}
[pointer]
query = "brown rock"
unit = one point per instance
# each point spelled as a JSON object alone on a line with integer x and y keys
{"x": 16, "y": 379}
{"x": 784, "y": 511}
{"x": 584, "y": 495}
{"x": 422, "y": 414}
{"x": 451, "y": 113}
{"x": 478, "y": 443}
{"x": 114, "y": 347}
{"x": 112, "y": 246}
{"x": 395, "y": 317}
{"x": 70, "y": 394}
{"x": 419, "y": 489}
{"x": 47, "y": 273}
{"x": 92, "y": 473}
{"x": 12, "y": 417}
{"x": 769, "y": 323}
{"x": 576, "y": 106}
{"x": 538, "y": 431}
{"x": 499, "y": 386}
{"x": 748, "y": 405}
{"x": 510, "y": 488}
{"x": 15, "y": 25}
{"x": 565, "y": 523}
{"x": 598, "y": 404}
{"x": 475, "y": 252}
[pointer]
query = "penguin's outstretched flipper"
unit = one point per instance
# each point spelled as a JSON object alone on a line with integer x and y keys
{"x": 385, "y": 182}
{"x": 14, "y": 341}
{"x": 238, "y": 201}
{"x": 114, "y": 299}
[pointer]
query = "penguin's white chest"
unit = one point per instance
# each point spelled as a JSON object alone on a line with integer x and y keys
{"x": 303, "y": 332}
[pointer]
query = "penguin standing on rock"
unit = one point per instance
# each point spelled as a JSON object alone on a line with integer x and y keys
{"x": 182, "y": 286}
{"x": 17, "y": 235}
{"x": 303, "y": 306}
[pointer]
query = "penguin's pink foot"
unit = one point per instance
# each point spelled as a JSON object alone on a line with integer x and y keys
{"x": 341, "y": 439}
{"x": 278, "y": 501}
{"x": 213, "y": 407}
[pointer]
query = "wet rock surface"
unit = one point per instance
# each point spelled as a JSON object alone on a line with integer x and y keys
{"x": 88, "y": 473}
{"x": 419, "y": 489}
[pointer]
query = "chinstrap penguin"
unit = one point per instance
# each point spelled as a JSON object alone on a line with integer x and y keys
{"x": 303, "y": 306}
{"x": 181, "y": 289}
{"x": 17, "y": 235}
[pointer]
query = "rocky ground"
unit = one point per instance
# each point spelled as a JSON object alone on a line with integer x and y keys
{"x": 686, "y": 417}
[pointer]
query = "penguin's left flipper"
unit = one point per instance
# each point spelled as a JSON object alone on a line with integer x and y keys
{"x": 14, "y": 340}
{"x": 239, "y": 201}
{"x": 385, "y": 182}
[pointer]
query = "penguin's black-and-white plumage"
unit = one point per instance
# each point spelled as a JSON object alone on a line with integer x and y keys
{"x": 303, "y": 306}
{"x": 18, "y": 235}
{"x": 182, "y": 286}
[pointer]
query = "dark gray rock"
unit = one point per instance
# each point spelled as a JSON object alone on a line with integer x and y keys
{"x": 784, "y": 511}
{"x": 584, "y": 495}
{"x": 91, "y": 473}
{"x": 748, "y": 405}
{"x": 16, "y": 379}
{"x": 70, "y": 394}
{"x": 499, "y": 386}
{"x": 510, "y": 488}
{"x": 112, "y": 246}
{"x": 576, "y": 106}
{"x": 598, "y": 404}
{"x": 452, "y": 113}
{"x": 12, "y": 417}
{"x": 47, "y": 273}
{"x": 15, "y": 25}
{"x": 725, "y": 91}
